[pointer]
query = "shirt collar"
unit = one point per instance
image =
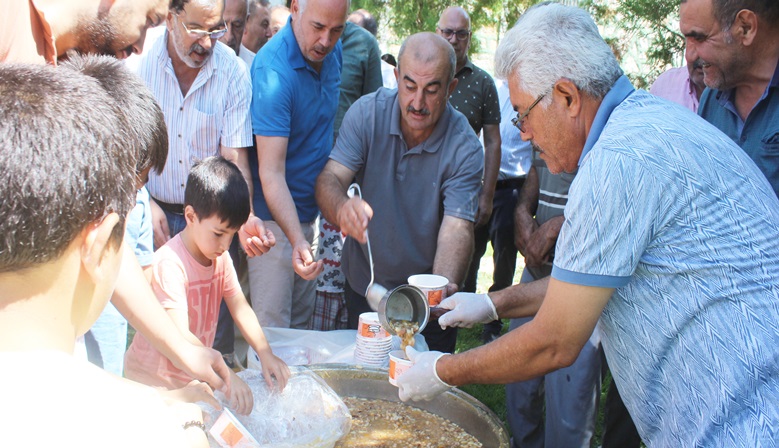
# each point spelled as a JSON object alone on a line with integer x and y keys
{"x": 294, "y": 55}
{"x": 723, "y": 96}
{"x": 467, "y": 66}
{"x": 621, "y": 89}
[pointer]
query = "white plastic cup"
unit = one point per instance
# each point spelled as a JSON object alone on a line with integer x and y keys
{"x": 433, "y": 286}
{"x": 398, "y": 363}
{"x": 370, "y": 327}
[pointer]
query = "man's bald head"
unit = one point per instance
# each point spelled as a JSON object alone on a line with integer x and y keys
{"x": 455, "y": 12}
{"x": 425, "y": 48}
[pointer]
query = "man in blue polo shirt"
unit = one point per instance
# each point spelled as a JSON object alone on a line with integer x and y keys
{"x": 669, "y": 246}
{"x": 296, "y": 78}
{"x": 738, "y": 43}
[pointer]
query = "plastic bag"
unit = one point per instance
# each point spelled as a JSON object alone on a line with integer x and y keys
{"x": 308, "y": 413}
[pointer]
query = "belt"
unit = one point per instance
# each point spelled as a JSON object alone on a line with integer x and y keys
{"x": 514, "y": 183}
{"x": 176, "y": 209}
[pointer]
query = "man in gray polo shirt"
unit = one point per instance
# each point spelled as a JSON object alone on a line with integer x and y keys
{"x": 419, "y": 164}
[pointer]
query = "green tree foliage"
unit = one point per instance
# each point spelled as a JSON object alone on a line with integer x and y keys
{"x": 643, "y": 33}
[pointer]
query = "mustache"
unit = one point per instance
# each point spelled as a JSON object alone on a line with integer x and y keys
{"x": 698, "y": 63}
{"x": 423, "y": 111}
{"x": 197, "y": 48}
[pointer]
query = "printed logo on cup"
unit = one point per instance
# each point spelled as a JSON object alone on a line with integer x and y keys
{"x": 434, "y": 286}
{"x": 370, "y": 327}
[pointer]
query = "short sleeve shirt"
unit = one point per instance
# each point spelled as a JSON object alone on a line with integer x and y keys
{"x": 181, "y": 282}
{"x": 292, "y": 100}
{"x": 675, "y": 217}
{"x": 410, "y": 189}
{"x": 476, "y": 97}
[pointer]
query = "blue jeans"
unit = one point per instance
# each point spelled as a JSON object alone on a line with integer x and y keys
{"x": 110, "y": 336}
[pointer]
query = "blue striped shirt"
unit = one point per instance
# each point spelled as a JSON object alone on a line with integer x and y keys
{"x": 669, "y": 211}
{"x": 215, "y": 111}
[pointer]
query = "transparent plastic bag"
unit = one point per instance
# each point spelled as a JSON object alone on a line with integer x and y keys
{"x": 308, "y": 413}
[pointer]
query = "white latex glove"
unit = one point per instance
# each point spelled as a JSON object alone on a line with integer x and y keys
{"x": 467, "y": 309}
{"x": 421, "y": 381}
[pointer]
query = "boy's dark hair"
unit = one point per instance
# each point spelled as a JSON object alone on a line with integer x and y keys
{"x": 215, "y": 186}
{"x": 63, "y": 167}
{"x": 142, "y": 120}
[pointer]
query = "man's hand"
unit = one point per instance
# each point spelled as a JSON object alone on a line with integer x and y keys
{"x": 541, "y": 242}
{"x": 353, "y": 218}
{"x": 421, "y": 381}
{"x": 255, "y": 238}
{"x": 159, "y": 225}
{"x": 241, "y": 398}
{"x": 205, "y": 364}
{"x": 485, "y": 208}
{"x": 303, "y": 261}
{"x": 467, "y": 309}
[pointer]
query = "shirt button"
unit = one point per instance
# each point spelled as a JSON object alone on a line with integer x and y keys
{"x": 181, "y": 109}
{"x": 179, "y": 135}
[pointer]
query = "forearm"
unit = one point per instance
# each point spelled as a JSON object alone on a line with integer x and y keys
{"x": 527, "y": 203}
{"x": 240, "y": 157}
{"x": 134, "y": 298}
{"x": 330, "y": 195}
{"x": 491, "y": 159}
{"x": 247, "y": 324}
{"x": 281, "y": 205}
{"x": 454, "y": 249}
{"x": 519, "y": 355}
{"x": 522, "y": 300}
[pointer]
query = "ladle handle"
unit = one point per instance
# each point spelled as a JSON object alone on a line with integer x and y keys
{"x": 437, "y": 311}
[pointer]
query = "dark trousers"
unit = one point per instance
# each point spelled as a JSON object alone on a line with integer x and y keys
{"x": 499, "y": 231}
{"x": 619, "y": 431}
{"x": 436, "y": 338}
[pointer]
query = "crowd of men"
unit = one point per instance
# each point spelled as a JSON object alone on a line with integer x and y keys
{"x": 648, "y": 228}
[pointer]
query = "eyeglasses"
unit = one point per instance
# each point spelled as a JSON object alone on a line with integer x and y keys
{"x": 519, "y": 120}
{"x": 447, "y": 33}
{"x": 200, "y": 34}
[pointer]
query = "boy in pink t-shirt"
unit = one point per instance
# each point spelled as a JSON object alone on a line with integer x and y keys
{"x": 193, "y": 272}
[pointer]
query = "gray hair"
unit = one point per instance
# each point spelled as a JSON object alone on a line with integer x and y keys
{"x": 252, "y": 5}
{"x": 552, "y": 41}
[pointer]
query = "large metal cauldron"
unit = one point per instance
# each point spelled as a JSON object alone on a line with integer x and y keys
{"x": 455, "y": 405}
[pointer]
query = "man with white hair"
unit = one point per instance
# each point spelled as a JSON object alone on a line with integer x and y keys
{"x": 669, "y": 245}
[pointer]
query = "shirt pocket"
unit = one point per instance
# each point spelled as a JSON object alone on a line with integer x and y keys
{"x": 770, "y": 144}
{"x": 205, "y": 135}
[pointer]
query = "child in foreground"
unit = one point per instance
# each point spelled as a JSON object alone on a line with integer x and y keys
{"x": 193, "y": 271}
{"x": 67, "y": 183}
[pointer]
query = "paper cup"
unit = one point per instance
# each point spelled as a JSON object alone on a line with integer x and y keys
{"x": 434, "y": 286}
{"x": 370, "y": 327}
{"x": 398, "y": 363}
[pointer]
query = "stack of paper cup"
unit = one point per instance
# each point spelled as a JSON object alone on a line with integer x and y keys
{"x": 373, "y": 342}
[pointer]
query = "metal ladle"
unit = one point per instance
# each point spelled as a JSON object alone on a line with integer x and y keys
{"x": 405, "y": 302}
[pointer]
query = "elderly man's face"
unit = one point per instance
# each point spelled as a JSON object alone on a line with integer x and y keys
{"x": 186, "y": 28}
{"x": 547, "y": 129}
{"x": 423, "y": 92}
{"x": 721, "y": 58}
{"x": 235, "y": 18}
{"x": 122, "y": 30}
{"x": 454, "y": 23}
{"x": 257, "y": 30}
{"x": 318, "y": 27}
